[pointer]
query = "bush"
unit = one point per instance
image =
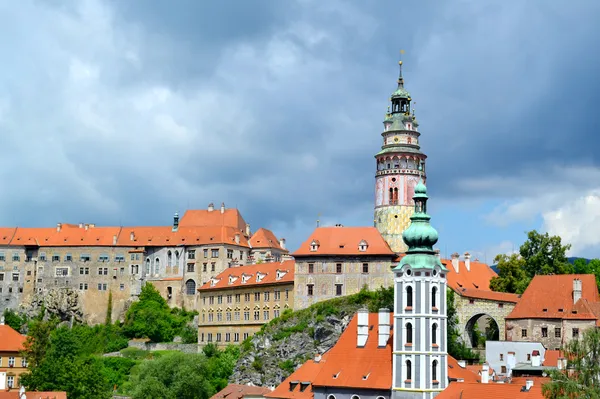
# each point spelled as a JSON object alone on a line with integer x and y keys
{"x": 287, "y": 365}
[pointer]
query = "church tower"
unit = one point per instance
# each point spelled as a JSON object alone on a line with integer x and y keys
{"x": 400, "y": 166}
{"x": 420, "y": 364}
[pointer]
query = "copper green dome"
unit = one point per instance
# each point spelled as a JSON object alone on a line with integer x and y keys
{"x": 401, "y": 92}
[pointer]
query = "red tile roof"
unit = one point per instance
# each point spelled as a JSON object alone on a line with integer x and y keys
{"x": 6, "y": 234}
{"x": 344, "y": 241}
{"x": 305, "y": 373}
{"x": 551, "y": 297}
{"x": 236, "y": 391}
{"x": 456, "y": 372}
{"x": 351, "y": 364}
{"x": 34, "y": 395}
{"x": 252, "y": 275}
{"x": 203, "y": 217}
{"x": 477, "y": 277}
{"x": 469, "y": 390}
{"x": 10, "y": 340}
{"x": 489, "y": 295}
{"x": 164, "y": 236}
{"x": 551, "y": 357}
{"x": 264, "y": 238}
{"x": 69, "y": 236}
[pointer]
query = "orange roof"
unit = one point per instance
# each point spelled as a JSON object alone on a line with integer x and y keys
{"x": 477, "y": 369}
{"x": 68, "y": 236}
{"x": 252, "y": 275}
{"x": 478, "y": 277}
{"x": 10, "y": 340}
{"x": 470, "y": 390}
{"x": 291, "y": 387}
{"x": 489, "y": 295}
{"x": 204, "y": 217}
{"x": 6, "y": 234}
{"x": 347, "y": 364}
{"x": 164, "y": 236}
{"x": 264, "y": 238}
{"x": 344, "y": 241}
{"x": 34, "y": 395}
{"x": 236, "y": 391}
{"x": 551, "y": 357}
{"x": 456, "y": 372}
{"x": 539, "y": 381}
{"x": 551, "y": 297}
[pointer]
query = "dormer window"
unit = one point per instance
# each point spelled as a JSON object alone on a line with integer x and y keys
{"x": 213, "y": 282}
{"x": 259, "y": 276}
{"x": 245, "y": 278}
{"x": 279, "y": 274}
{"x": 362, "y": 246}
{"x": 232, "y": 279}
{"x": 314, "y": 245}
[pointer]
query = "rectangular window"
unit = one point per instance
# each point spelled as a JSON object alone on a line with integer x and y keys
{"x": 277, "y": 295}
{"x": 192, "y": 254}
{"x": 205, "y": 252}
{"x": 311, "y": 268}
{"x": 310, "y": 288}
{"x": 219, "y": 299}
{"x": 190, "y": 267}
{"x": 219, "y": 316}
{"x": 275, "y": 312}
{"x": 230, "y": 254}
{"x": 132, "y": 257}
{"x": 214, "y": 253}
{"x": 236, "y": 316}
{"x": 557, "y": 332}
{"x": 501, "y": 357}
{"x": 42, "y": 257}
{"x": 246, "y": 335}
{"x": 287, "y": 294}
{"x": 524, "y": 333}
{"x": 10, "y": 381}
{"x": 210, "y": 317}
{"x": 212, "y": 266}
{"x": 257, "y": 315}
{"x": 338, "y": 289}
{"x": 229, "y": 298}
{"x": 209, "y": 337}
{"x": 247, "y": 297}
{"x": 471, "y": 301}
{"x": 68, "y": 258}
{"x": 202, "y": 336}
{"x": 544, "y": 332}
{"x": 241, "y": 255}
{"x": 85, "y": 257}
{"x": 103, "y": 258}
{"x": 121, "y": 287}
{"x": 236, "y": 337}
{"x": 246, "y": 315}
{"x": 227, "y": 337}
{"x": 23, "y": 362}
{"x": 267, "y": 295}
{"x": 119, "y": 258}
{"x": 266, "y": 315}
{"x": 55, "y": 258}
{"x": 365, "y": 268}
{"x": 16, "y": 257}
{"x": 256, "y": 296}
{"x": 500, "y": 305}
{"x": 228, "y": 316}
{"x": 61, "y": 272}
{"x": 204, "y": 266}
{"x": 338, "y": 268}
{"x": 83, "y": 286}
{"x": 15, "y": 277}
{"x": 135, "y": 269}
{"x": 503, "y": 369}
{"x": 238, "y": 298}
{"x": 211, "y": 300}
{"x": 576, "y": 333}
{"x": 2, "y": 257}
{"x": 1, "y": 276}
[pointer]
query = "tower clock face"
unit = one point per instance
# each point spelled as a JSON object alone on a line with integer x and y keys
{"x": 396, "y": 139}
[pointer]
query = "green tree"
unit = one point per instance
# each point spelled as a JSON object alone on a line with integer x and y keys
{"x": 38, "y": 342}
{"x": 545, "y": 254}
{"x": 17, "y": 321}
{"x": 150, "y": 317}
{"x": 109, "y": 306}
{"x": 582, "y": 377}
{"x": 512, "y": 276}
{"x": 456, "y": 348}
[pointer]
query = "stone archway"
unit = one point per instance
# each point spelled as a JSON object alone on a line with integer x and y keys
{"x": 486, "y": 325}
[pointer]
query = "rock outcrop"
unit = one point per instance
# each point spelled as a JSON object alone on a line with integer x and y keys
{"x": 60, "y": 302}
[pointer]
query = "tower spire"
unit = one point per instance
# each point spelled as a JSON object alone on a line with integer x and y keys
{"x": 400, "y": 77}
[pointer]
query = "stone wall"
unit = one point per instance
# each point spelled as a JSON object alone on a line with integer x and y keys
{"x": 165, "y": 346}
{"x": 534, "y": 330}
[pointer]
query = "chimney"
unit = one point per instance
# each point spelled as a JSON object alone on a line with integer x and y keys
{"x": 528, "y": 385}
{"x": 485, "y": 373}
{"x": 87, "y": 226}
{"x": 455, "y": 261}
{"x": 468, "y": 261}
{"x": 132, "y": 236}
{"x": 562, "y": 363}
{"x": 58, "y": 226}
{"x": 248, "y": 229}
{"x": 211, "y": 207}
{"x": 222, "y": 207}
{"x": 282, "y": 243}
{"x": 175, "y": 222}
{"x": 437, "y": 253}
{"x": 115, "y": 239}
{"x": 237, "y": 238}
{"x": 2, "y": 321}
{"x": 577, "y": 287}
{"x": 81, "y": 225}
{"x": 363, "y": 327}
{"x": 462, "y": 363}
{"x": 535, "y": 359}
{"x": 384, "y": 327}
{"x": 317, "y": 358}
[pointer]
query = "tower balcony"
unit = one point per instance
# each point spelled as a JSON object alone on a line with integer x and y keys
{"x": 398, "y": 171}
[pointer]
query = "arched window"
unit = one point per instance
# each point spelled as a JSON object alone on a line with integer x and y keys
{"x": 331, "y": 397}
{"x": 156, "y": 265}
{"x": 391, "y": 195}
{"x": 409, "y": 297}
{"x": 190, "y": 287}
{"x": 434, "y": 334}
{"x": 355, "y": 397}
{"x": 434, "y": 297}
{"x": 434, "y": 365}
{"x": 147, "y": 265}
{"x": 169, "y": 259}
{"x": 409, "y": 333}
{"x": 177, "y": 257}
{"x": 408, "y": 369}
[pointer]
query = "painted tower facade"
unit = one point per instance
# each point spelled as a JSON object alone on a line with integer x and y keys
{"x": 420, "y": 364}
{"x": 400, "y": 166}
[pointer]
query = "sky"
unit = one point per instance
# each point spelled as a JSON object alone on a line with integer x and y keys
{"x": 123, "y": 112}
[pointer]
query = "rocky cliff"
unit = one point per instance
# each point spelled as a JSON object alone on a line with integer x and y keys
{"x": 287, "y": 342}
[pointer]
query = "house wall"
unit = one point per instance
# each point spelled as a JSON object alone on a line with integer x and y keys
{"x": 345, "y": 393}
{"x": 533, "y": 328}
{"x": 493, "y": 350}
{"x": 6, "y": 371}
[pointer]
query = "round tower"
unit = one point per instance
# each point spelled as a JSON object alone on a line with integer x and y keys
{"x": 400, "y": 166}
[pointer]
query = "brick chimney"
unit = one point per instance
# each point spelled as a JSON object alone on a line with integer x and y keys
{"x": 282, "y": 243}
{"x": 577, "y": 289}
{"x": 467, "y": 261}
{"x": 384, "y": 327}
{"x": 363, "y": 327}
{"x": 455, "y": 261}
{"x": 485, "y": 373}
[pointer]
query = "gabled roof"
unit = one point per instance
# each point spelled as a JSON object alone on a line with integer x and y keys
{"x": 489, "y": 295}
{"x": 203, "y": 217}
{"x": 264, "y": 238}
{"x": 10, "y": 340}
{"x": 551, "y": 357}
{"x": 456, "y": 372}
{"x": 341, "y": 240}
{"x": 237, "y": 391}
{"x": 477, "y": 277}
{"x": 6, "y": 234}
{"x": 68, "y": 236}
{"x": 551, "y": 297}
{"x": 470, "y": 390}
{"x": 347, "y": 365}
{"x": 291, "y": 387}
{"x": 164, "y": 236}
{"x": 252, "y": 275}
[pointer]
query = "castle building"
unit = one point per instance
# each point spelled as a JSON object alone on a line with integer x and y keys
{"x": 400, "y": 166}
{"x": 420, "y": 363}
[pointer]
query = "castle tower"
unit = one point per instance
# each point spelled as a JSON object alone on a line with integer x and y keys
{"x": 400, "y": 166}
{"x": 420, "y": 363}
